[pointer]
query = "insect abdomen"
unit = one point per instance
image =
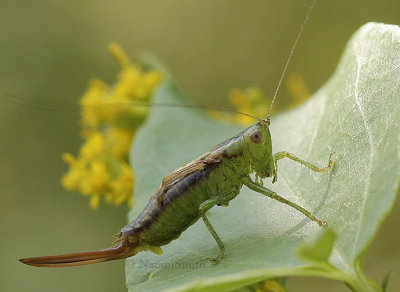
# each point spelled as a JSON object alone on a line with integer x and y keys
{"x": 172, "y": 211}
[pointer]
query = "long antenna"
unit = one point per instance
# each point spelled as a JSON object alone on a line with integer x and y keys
{"x": 62, "y": 107}
{"x": 290, "y": 56}
{"x": 52, "y": 106}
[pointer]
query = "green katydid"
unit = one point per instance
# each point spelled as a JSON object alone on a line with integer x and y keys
{"x": 186, "y": 195}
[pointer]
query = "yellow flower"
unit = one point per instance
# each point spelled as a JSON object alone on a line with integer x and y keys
{"x": 120, "y": 140}
{"x": 94, "y": 201}
{"x": 93, "y": 147}
{"x": 121, "y": 188}
{"x": 97, "y": 179}
{"x": 73, "y": 178}
{"x": 91, "y": 103}
{"x": 110, "y": 117}
{"x": 297, "y": 88}
{"x": 252, "y": 100}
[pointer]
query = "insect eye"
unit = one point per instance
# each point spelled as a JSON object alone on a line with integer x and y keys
{"x": 256, "y": 137}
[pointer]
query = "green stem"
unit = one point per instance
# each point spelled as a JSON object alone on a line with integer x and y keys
{"x": 355, "y": 281}
{"x": 360, "y": 283}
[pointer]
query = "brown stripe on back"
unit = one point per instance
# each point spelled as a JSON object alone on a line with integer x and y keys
{"x": 166, "y": 196}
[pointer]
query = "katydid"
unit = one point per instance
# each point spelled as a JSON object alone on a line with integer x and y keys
{"x": 186, "y": 195}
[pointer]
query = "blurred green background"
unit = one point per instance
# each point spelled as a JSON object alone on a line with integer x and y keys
{"x": 50, "y": 49}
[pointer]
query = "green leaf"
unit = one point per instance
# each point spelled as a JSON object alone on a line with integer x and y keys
{"x": 319, "y": 249}
{"x": 386, "y": 281}
{"x": 356, "y": 115}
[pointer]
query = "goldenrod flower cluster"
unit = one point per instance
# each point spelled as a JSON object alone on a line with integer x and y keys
{"x": 110, "y": 117}
{"x": 297, "y": 89}
{"x": 252, "y": 100}
{"x": 270, "y": 285}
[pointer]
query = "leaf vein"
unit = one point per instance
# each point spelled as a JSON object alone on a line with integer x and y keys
{"x": 372, "y": 150}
